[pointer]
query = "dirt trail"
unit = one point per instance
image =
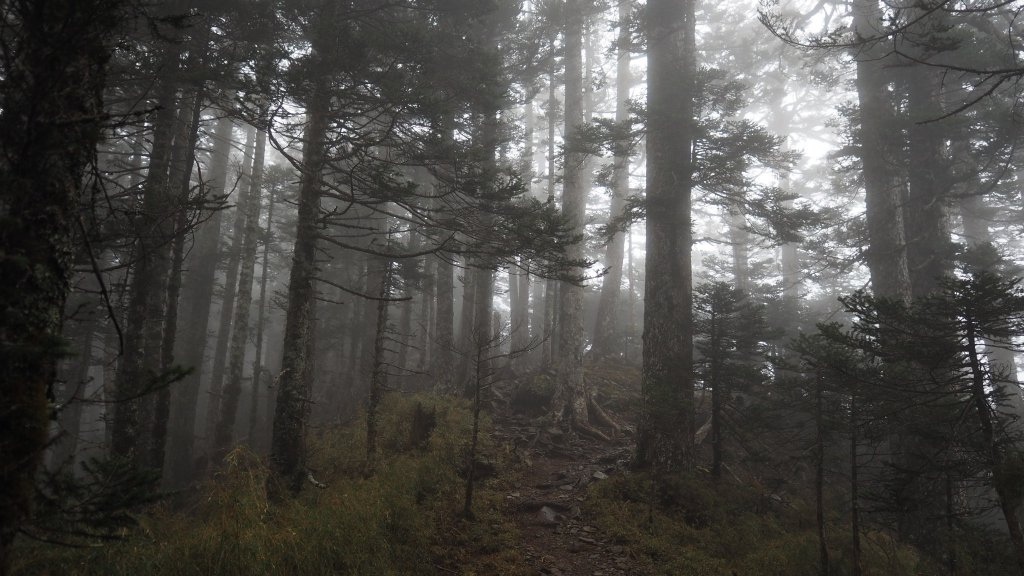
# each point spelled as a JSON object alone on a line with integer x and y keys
{"x": 556, "y": 536}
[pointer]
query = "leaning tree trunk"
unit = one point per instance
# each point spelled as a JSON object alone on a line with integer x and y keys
{"x": 232, "y": 390}
{"x": 605, "y": 341}
{"x": 50, "y": 124}
{"x": 294, "y": 387}
{"x": 665, "y": 431}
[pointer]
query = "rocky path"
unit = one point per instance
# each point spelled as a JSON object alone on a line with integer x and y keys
{"x": 548, "y": 506}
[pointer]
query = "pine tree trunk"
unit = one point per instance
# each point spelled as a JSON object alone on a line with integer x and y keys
{"x": 182, "y": 161}
{"x": 519, "y": 313}
{"x": 75, "y": 377}
{"x": 443, "y": 365}
{"x": 50, "y": 124}
{"x": 138, "y": 377}
{"x": 1002, "y": 360}
{"x": 666, "y": 428}
{"x": 570, "y": 388}
{"x": 1002, "y": 472}
{"x": 886, "y": 255}
{"x": 295, "y": 380}
{"x": 378, "y": 374}
{"x": 819, "y": 475}
{"x": 739, "y": 238}
{"x": 929, "y": 250}
{"x": 257, "y": 364}
{"x": 550, "y": 347}
{"x": 197, "y": 297}
{"x": 232, "y": 392}
{"x": 227, "y": 308}
{"x": 464, "y": 338}
{"x": 605, "y": 331}
{"x": 425, "y": 317}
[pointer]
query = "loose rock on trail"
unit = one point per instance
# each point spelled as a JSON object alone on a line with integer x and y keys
{"x": 548, "y": 507}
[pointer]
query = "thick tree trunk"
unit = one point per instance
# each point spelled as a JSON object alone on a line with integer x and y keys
{"x": 605, "y": 331}
{"x": 197, "y": 297}
{"x": 50, "y": 124}
{"x": 886, "y": 254}
{"x": 929, "y": 250}
{"x": 571, "y": 396}
{"x": 665, "y": 431}
{"x": 232, "y": 392}
{"x": 227, "y": 308}
{"x": 294, "y": 386}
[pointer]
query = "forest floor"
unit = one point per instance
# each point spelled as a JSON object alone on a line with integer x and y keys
{"x": 548, "y": 505}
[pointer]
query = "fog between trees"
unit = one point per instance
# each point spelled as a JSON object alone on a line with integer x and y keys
{"x": 795, "y": 225}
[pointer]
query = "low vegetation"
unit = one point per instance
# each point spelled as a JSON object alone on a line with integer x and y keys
{"x": 403, "y": 520}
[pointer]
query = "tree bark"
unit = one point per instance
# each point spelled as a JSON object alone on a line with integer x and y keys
{"x": 139, "y": 376}
{"x": 294, "y": 387}
{"x": 571, "y": 396}
{"x": 886, "y": 254}
{"x": 197, "y": 298}
{"x": 378, "y": 374}
{"x": 666, "y": 427}
{"x": 443, "y": 362}
{"x": 180, "y": 171}
{"x": 929, "y": 250}
{"x": 1002, "y": 360}
{"x": 232, "y": 392}
{"x": 257, "y": 363}
{"x": 227, "y": 308}
{"x": 605, "y": 331}
{"x": 550, "y": 347}
{"x": 50, "y": 124}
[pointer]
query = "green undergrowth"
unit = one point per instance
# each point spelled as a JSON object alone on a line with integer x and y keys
{"x": 690, "y": 527}
{"x": 404, "y": 520}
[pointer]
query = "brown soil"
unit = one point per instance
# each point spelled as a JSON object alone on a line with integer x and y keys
{"x": 549, "y": 505}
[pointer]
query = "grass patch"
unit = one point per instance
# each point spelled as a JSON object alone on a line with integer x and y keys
{"x": 685, "y": 526}
{"x": 404, "y": 520}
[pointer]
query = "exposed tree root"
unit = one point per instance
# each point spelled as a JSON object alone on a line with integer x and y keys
{"x": 601, "y": 417}
{"x": 589, "y": 429}
{"x": 702, "y": 433}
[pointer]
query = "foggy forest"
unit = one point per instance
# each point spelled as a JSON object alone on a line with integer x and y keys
{"x": 523, "y": 287}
